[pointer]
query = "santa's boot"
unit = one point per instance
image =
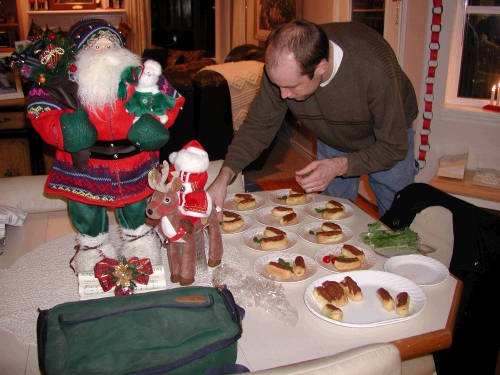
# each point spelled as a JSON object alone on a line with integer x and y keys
{"x": 142, "y": 242}
{"x": 91, "y": 250}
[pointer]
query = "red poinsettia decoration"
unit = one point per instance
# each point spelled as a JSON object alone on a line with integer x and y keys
{"x": 123, "y": 274}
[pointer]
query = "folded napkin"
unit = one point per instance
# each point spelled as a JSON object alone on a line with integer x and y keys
{"x": 10, "y": 216}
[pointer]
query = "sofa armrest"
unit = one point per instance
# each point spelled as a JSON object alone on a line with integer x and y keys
{"x": 372, "y": 359}
{"x": 27, "y": 194}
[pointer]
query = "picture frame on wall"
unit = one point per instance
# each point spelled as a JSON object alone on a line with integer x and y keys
{"x": 71, "y": 4}
{"x": 271, "y": 13}
{"x": 10, "y": 82}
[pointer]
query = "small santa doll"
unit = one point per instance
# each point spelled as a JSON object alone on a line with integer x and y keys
{"x": 191, "y": 165}
{"x": 147, "y": 98}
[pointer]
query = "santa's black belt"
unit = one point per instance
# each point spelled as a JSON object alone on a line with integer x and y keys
{"x": 109, "y": 150}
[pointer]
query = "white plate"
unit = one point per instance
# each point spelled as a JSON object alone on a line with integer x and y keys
{"x": 260, "y": 266}
{"x": 248, "y": 222}
{"x": 310, "y": 209}
{"x": 265, "y": 217}
{"x": 274, "y": 197}
{"x": 420, "y": 269}
{"x": 230, "y": 204}
{"x": 369, "y": 311}
{"x": 248, "y": 236}
{"x": 303, "y": 232}
{"x": 336, "y": 250}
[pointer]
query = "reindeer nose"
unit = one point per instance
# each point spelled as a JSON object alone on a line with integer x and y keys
{"x": 149, "y": 211}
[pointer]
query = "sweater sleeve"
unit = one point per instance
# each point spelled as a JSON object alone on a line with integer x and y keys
{"x": 259, "y": 129}
{"x": 392, "y": 116}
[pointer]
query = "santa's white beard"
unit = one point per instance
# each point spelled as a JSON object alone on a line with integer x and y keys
{"x": 98, "y": 75}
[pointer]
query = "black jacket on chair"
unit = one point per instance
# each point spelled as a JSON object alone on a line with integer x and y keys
{"x": 475, "y": 262}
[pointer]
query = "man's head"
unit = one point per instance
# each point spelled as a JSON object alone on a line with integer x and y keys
{"x": 100, "y": 61}
{"x": 296, "y": 58}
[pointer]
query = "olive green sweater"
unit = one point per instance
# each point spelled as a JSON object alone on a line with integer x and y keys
{"x": 365, "y": 110}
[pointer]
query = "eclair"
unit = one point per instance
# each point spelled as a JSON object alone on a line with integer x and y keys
{"x": 246, "y": 204}
{"x": 336, "y": 291}
{"x": 280, "y": 211}
{"x": 273, "y": 243}
{"x": 299, "y": 266}
{"x": 350, "y": 251}
{"x": 385, "y": 299}
{"x": 330, "y": 236}
{"x": 288, "y": 219}
{"x": 347, "y": 264}
{"x": 231, "y": 221}
{"x": 351, "y": 289}
{"x": 332, "y": 312}
{"x": 279, "y": 270}
{"x": 402, "y": 304}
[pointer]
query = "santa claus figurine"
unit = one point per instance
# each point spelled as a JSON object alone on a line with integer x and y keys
{"x": 190, "y": 164}
{"x": 103, "y": 157}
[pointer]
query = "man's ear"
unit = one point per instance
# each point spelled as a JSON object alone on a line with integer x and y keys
{"x": 322, "y": 67}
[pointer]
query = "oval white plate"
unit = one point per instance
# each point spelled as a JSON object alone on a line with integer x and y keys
{"x": 260, "y": 266}
{"x": 369, "y": 311}
{"x": 303, "y": 232}
{"x": 248, "y": 236}
{"x": 230, "y": 204}
{"x": 420, "y": 269}
{"x": 265, "y": 217}
{"x": 248, "y": 222}
{"x": 310, "y": 209}
{"x": 336, "y": 250}
{"x": 274, "y": 197}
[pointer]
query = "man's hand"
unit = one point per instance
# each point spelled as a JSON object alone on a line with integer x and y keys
{"x": 218, "y": 189}
{"x": 317, "y": 175}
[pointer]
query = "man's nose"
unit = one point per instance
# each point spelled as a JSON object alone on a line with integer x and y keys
{"x": 285, "y": 93}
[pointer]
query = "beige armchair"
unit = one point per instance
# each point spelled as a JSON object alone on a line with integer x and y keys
{"x": 373, "y": 359}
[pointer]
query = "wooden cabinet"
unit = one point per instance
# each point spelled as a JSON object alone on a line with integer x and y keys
{"x": 11, "y": 29}
{"x": 21, "y": 148}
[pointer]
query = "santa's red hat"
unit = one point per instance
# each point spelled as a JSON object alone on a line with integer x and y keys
{"x": 192, "y": 163}
{"x": 192, "y": 158}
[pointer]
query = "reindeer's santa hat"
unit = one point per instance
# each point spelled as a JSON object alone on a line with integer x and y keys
{"x": 192, "y": 164}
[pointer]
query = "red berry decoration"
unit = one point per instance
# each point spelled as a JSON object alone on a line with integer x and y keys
{"x": 41, "y": 79}
{"x": 52, "y": 36}
{"x": 72, "y": 68}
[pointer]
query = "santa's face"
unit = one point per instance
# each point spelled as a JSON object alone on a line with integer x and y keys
{"x": 98, "y": 72}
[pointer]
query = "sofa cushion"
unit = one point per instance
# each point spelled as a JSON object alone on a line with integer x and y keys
{"x": 181, "y": 57}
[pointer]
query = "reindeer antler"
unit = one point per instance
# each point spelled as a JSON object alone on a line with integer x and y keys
{"x": 158, "y": 182}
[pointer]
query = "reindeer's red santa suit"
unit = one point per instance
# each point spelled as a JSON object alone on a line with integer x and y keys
{"x": 190, "y": 164}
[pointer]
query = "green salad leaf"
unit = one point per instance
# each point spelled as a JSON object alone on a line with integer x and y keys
{"x": 386, "y": 238}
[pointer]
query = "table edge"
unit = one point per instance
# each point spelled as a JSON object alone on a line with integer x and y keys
{"x": 433, "y": 341}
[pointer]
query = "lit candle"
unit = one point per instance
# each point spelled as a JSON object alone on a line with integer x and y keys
{"x": 493, "y": 89}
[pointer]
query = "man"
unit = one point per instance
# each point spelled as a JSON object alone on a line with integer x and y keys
{"x": 103, "y": 156}
{"x": 342, "y": 81}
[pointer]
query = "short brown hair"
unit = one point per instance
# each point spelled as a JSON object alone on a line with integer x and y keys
{"x": 307, "y": 41}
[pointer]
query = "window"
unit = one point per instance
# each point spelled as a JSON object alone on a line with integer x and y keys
{"x": 475, "y": 54}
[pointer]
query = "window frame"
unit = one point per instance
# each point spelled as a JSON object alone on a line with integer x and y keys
{"x": 454, "y": 106}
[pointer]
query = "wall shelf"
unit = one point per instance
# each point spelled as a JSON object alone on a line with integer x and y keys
{"x": 64, "y": 19}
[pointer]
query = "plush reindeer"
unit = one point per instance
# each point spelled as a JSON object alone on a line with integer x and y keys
{"x": 179, "y": 231}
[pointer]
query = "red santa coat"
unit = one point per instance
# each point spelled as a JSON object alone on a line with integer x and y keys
{"x": 111, "y": 183}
